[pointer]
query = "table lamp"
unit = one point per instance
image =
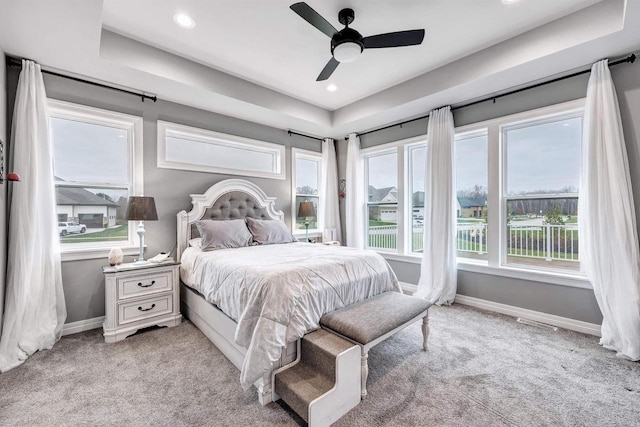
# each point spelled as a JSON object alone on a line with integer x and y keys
{"x": 306, "y": 211}
{"x": 141, "y": 208}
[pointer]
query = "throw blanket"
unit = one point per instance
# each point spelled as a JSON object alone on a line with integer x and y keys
{"x": 277, "y": 293}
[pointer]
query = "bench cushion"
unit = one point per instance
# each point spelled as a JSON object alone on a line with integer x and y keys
{"x": 370, "y": 319}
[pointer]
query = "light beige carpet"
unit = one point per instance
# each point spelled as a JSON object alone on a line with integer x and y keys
{"x": 482, "y": 369}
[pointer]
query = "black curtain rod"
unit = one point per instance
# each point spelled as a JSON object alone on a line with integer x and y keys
{"x": 17, "y": 62}
{"x": 290, "y": 132}
{"x": 629, "y": 59}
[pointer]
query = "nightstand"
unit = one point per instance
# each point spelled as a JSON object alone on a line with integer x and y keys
{"x": 139, "y": 296}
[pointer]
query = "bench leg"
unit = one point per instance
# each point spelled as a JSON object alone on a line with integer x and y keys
{"x": 364, "y": 373}
{"x": 425, "y": 331}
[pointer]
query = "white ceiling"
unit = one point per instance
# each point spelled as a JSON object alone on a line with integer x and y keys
{"x": 267, "y": 43}
{"x": 234, "y": 63}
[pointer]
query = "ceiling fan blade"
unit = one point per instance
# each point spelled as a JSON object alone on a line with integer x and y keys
{"x": 328, "y": 69}
{"x": 314, "y": 18}
{"x": 397, "y": 39}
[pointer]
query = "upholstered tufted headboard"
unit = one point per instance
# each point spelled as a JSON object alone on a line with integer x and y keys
{"x": 233, "y": 205}
{"x": 228, "y": 199}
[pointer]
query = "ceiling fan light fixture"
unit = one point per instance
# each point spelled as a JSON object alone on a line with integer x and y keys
{"x": 347, "y": 52}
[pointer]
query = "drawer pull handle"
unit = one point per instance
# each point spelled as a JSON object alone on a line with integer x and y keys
{"x": 146, "y": 286}
{"x": 147, "y": 309}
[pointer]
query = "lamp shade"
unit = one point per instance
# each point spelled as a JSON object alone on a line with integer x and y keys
{"x": 306, "y": 210}
{"x": 141, "y": 208}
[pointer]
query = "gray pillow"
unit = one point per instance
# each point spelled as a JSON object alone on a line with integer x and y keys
{"x": 223, "y": 234}
{"x": 269, "y": 232}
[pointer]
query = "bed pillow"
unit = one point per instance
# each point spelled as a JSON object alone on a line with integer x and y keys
{"x": 223, "y": 234}
{"x": 269, "y": 232}
{"x": 196, "y": 243}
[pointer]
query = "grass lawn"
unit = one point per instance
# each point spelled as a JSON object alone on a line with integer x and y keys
{"x": 107, "y": 235}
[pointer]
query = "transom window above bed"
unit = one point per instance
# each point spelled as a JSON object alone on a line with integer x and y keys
{"x": 97, "y": 166}
{"x": 306, "y": 172}
{"x": 188, "y": 148}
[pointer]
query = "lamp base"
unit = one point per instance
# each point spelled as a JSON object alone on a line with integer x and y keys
{"x": 141, "y": 262}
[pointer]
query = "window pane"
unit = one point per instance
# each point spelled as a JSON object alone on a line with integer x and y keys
{"x": 86, "y": 152}
{"x": 417, "y": 159}
{"x": 471, "y": 192}
{"x": 544, "y": 158}
{"x": 382, "y": 212}
{"x": 89, "y": 215}
{"x": 307, "y": 176}
{"x": 188, "y": 148}
{"x": 313, "y": 221}
{"x": 543, "y": 233}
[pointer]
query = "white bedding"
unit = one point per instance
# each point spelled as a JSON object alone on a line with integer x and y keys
{"x": 277, "y": 293}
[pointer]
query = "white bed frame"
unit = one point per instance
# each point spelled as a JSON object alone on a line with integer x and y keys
{"x": 217, "y": 326}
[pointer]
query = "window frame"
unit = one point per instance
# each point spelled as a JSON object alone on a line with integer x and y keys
{"x": 208, "y": 136}
{"x": 528, "y": 120}
{"x": 133, "y": 126}
{"x": 494, "y": 265}
{"x": 314, "y": 156}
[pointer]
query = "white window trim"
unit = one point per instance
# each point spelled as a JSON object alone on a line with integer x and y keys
{"x": 133, "y": 126}
{"x": 315, "y": 156}
{"x": 496, "y": 264}
{"x": 203, "y": 135}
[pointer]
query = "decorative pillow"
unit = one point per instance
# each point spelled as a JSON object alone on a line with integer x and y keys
{"x": 223, "y": 234}
{"x": 269, "y": 232}
{"x": 196, "y": 243}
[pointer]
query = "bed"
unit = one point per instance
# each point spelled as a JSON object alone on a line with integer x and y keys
{"x": 254, "y": 303}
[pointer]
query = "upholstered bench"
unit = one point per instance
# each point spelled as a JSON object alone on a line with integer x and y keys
{"x": 369, "y": 322}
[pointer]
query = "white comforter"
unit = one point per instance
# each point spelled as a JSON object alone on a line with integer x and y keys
{"x": 277, "y": 293}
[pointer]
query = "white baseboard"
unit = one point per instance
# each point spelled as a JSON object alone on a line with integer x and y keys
{"x": 538, "y": 316}
{"x": 510, "y": 310}
{"x": 82, "y": 325}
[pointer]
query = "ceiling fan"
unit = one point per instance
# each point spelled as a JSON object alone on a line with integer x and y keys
{"x": 347, "y": 44}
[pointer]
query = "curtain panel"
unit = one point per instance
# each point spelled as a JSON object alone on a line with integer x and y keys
{"x": 438, "y": 272}
{"x": 34, "y": 308}
{"x": 609, "y": 253}
{"x": 354, "y": 198}
{"x": 329, "y": 184}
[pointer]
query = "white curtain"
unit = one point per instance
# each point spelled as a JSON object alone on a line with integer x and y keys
{"x": 34, "y": 308}
{"x": 330, "y": 203}
{"x": 354, "y": 198}
{"x": 607, "y": 222}
{"x": 438, "y": 273}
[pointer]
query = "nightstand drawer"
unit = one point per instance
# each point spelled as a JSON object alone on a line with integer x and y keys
{"x": 130, "y": 287}
{"x": 144, "y": 309}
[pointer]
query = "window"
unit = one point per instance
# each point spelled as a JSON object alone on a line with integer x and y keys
{"x": 306, "y": 173}
{"x": 97, "y": 165}
{"x": 417, "y": 162}
{"x": 542, "y": 165}
{"x": 189, "y": 148}
{"x": 471, "y": 151}
{"x": 382, "y": 201}
{"x": 517, "y": 180}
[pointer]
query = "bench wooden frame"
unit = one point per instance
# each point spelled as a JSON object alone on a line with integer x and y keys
{"x": 364, "y": 348}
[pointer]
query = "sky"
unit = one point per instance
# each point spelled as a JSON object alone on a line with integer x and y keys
{"x": 539, "y": 158}
{"x": 86, "y": 152}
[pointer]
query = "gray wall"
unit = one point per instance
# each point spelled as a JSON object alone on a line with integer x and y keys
{"x": 559, "y": 300}
{"x": 3, "y": 186}
{"x": 83, "y": 281}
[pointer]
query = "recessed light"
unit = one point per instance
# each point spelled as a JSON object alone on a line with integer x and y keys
{"x": 332, "y": 88}
{"x": 183, "y": 20}
{"x": 510, "y": 1}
